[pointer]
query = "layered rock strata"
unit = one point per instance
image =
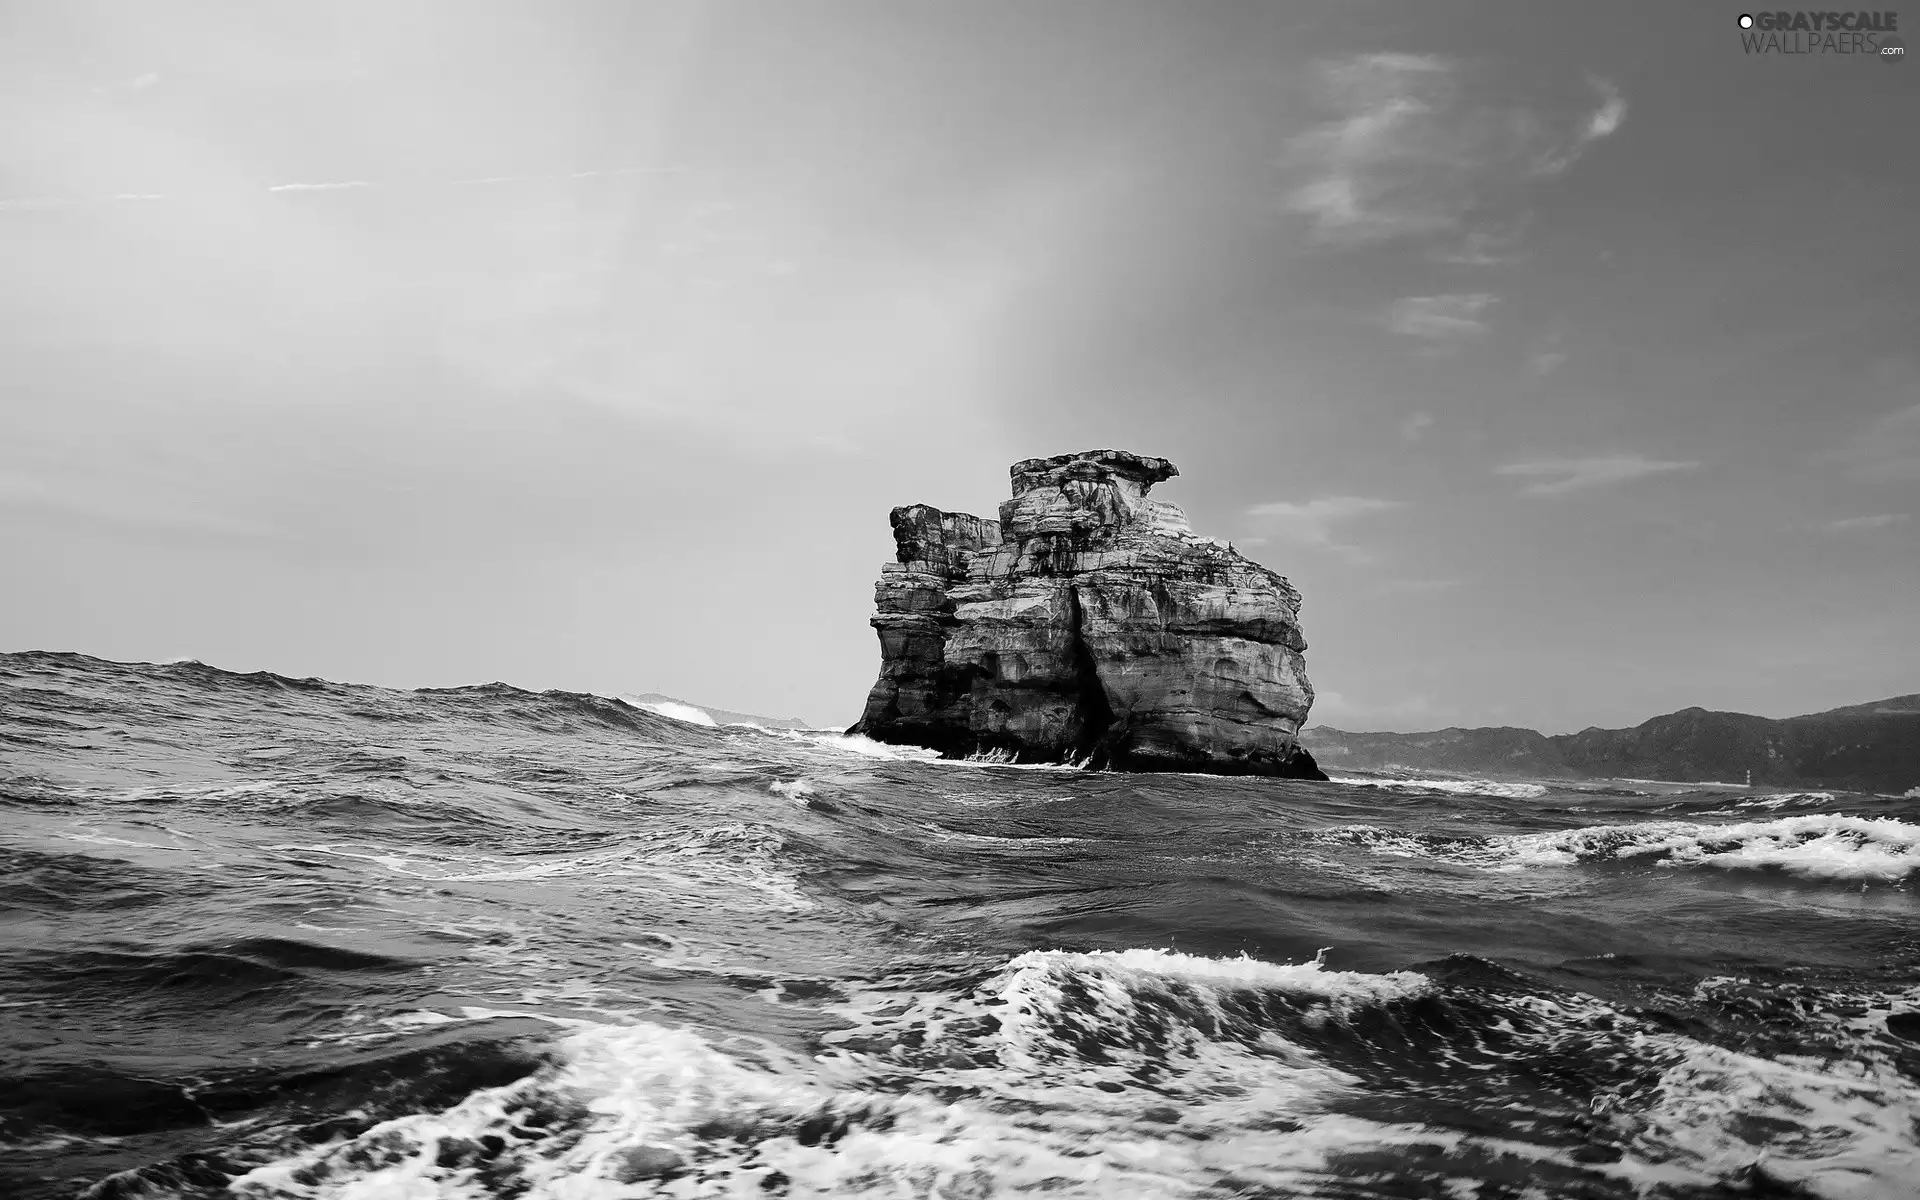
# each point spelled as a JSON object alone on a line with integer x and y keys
{"x": 1089, "y": 623}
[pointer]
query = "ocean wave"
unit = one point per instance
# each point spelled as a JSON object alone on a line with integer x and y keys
{"x": 1141, "y": 1073}
{"x": 1028, "y": 1081}
{"x": 1455, "y": 787}
{"x": 746, "y": 962}
{"x": 744, "y": 863}
{"x": 1788, "y": 800}
{"x": 861, "y": 746}
{"x": 679, "y": 712}
{"x": 857, "y": 745}
{"x": 1816, "y": 846}
{"x": 1842, "y": 1130}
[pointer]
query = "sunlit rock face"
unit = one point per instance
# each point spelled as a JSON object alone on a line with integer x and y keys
{"x": 1089, "y": 623}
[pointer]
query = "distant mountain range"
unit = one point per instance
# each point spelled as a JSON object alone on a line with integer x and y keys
{"x": 668, "y": 706}
{"x": 1864, "y": 747}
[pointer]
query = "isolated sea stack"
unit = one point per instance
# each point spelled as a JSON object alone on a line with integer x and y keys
{"x": 1089, "y": 623}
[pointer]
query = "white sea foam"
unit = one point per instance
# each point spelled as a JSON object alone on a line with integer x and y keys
{"x": 679, "y": 712}
{"x": 1688, "y": 783}
{"x": 667, "y": 1112}
{"x": 866, "y": 747}
{"x": 976, "y": 1107}
{"x": 1788, "y": 799}
{"x": 1457, "y": 787}
{"x": 1842, "y": 1130}
{"x": 860, "y": 745}
{"x": 987, "y": 839}
{"x": 1139, "y": 1073}
{"x": 1815, "y": 846}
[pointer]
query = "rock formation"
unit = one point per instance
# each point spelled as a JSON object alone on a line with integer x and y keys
{"x": 1088, "y": 623}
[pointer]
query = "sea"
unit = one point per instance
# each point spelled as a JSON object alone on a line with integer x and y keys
{"x": 267, "y": 937}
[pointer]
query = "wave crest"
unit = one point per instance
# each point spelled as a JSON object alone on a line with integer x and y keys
{"x": 1815, "y": 846}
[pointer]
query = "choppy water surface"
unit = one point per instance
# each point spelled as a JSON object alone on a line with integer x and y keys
{"x": 264, "y": 937}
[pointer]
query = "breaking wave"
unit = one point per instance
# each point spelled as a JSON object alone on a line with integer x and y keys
{"x": 1142, "y": 1074}
{"x": 484, "y": 942}
{"x": 1813, "y": 847}
{"x": 1455, "y": 787}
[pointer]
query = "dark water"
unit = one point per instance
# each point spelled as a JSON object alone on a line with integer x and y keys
{"x": 267, "y": 937}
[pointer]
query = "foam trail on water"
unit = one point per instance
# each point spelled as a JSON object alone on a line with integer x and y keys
{"x": 861, "y": 746}
{"x": 1457, "y": 787}
{"x": 993, "y": 1091}
{"x": 1816, "y": 846}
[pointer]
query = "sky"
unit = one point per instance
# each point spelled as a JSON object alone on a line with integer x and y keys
{"x": 1565, "y": 356}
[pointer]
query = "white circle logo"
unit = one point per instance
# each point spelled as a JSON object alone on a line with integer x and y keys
{"x": 1746, "y": 22}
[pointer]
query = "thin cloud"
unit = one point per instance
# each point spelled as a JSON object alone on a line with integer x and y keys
{"x": 1408, "y": 149}
{"x": 1604, "y": 121}
{"x": 1355, "y": 161}
{"x": 1558, "y": 476}
{"x": 1863, "y": 524}
{"x": 1484, "y": 247}
{"x": 1312, "y": 524}
{"x": 1440, "y": 319}
{"x": 1415, "y": 426}
{"x": 1612, "y": 111}
{"x": 341, "y": 185}
{"x": 1889, "y": 450}
{"x": 1545, "y": 363}
{"x": 320, "y": 187}
{"x": 1546, "y": 356}
{"x": 609, "y": 173}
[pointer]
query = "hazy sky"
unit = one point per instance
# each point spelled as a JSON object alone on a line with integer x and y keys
{"x": 1564, "y": 356}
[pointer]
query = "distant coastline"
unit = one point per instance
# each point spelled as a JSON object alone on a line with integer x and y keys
{"x": 1872, "y": 747}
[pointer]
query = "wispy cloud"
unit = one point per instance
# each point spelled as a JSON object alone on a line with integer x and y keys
{"x": 1612, "y": 111}
{"x": 609, "y": 173}
{"x": 341, "y": 186}
{"x": 1356, "y": 163}
{"x": 1864, "y": 524}
{"x": 1603, "y": 122}
{"x": 1409, "y": 148}
{"x": 1312, "y": 524}
{"x": 1558, "y": 476}
{"x": 1546, "y": 356}
{"x": 1415, "y": 425}
{"x": 1440, "y": 320}
{"x": 1889, "y": 450}
{"x": 30, "y": 203}
{"x": 1483, "y": 247}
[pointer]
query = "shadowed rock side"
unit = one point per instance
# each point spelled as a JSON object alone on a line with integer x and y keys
{"x": 1088, "y": 623}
